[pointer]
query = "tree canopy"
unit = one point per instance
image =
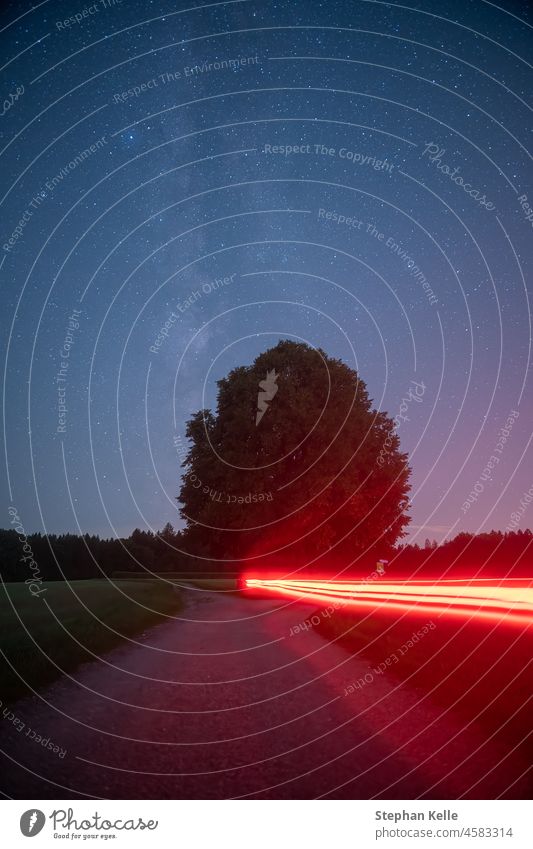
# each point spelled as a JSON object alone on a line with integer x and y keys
{"x": 292, "y": 462}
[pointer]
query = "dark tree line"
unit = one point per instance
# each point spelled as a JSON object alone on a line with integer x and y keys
{"x": 86, "y": 557}
{"x": 493, "y": 554}
{"x": 82, "y": 557}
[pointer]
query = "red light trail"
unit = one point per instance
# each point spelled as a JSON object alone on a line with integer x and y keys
{"x": 510, "y": 600}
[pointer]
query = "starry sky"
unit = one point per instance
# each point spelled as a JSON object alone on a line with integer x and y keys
{"x": 183, "y": 185}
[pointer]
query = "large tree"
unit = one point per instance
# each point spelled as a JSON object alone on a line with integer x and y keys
{"x": 293, "y": 464}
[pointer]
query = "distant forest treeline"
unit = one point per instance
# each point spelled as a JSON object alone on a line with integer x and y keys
{"x": 58, "y": 556}
{"x": 81, "y": 557}
{"x": 496, "y": 553}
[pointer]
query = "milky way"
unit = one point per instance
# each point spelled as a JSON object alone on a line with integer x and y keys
{"x": 183, "y": 187}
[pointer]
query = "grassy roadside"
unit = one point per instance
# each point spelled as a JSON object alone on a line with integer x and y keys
{"x": 202, "y": 580}
{"x": 128, "y": 608}
{"x": 480, "y": 669}
{"x": 214, "y": 584}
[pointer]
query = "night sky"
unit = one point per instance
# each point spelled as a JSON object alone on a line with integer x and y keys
{"x": 185, "y": 185}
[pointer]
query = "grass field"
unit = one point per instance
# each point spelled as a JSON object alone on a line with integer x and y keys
{"x": 220, "y": 584}
{"x": 126, "y": 608}
{"x": 204, "y": 581}
{"x": 480, "y": 671}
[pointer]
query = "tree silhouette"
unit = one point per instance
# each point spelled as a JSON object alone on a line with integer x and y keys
{"x": 293, "y": 462}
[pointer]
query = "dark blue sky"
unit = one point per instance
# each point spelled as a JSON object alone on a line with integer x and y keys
{"x": 352, "y": 174}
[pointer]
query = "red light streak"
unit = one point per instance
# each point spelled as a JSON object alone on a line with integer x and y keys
{"x": 508, "y": 599}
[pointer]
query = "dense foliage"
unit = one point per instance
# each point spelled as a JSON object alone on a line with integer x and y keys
{"x": 293, "y": 461}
